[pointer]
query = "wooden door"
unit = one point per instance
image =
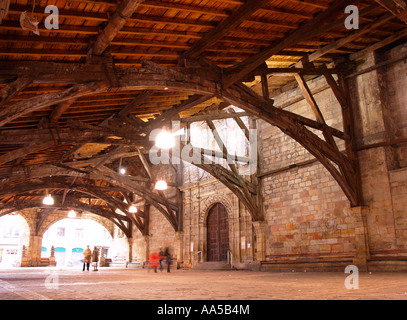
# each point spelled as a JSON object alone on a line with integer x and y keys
{"x": 218, "y": 233}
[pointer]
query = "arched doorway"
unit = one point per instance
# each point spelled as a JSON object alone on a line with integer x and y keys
{"x": 217, "y": 233}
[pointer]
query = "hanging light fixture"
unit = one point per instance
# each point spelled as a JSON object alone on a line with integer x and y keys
{"x": 122, "y": 170}
{"x": 72, "y": 214}
{"x": 161, "y": 185}
{"x": 48, "y": 200}
{"x": 165, "y": 140}
{"x": 133, "y": 209}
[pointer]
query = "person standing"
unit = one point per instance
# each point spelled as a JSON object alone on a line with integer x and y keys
{"x": 168, "y": 258}
{"x": 95, "y": 259}
{"x": 87, "y": 257}
{"x": 161, "y": 254}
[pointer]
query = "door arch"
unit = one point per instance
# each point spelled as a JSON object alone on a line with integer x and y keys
{"x": 217, "y": 233}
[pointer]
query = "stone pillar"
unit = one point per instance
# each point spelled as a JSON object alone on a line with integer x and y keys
{"x": 102, "y": 261}
{"x": 260, "y": 232}
{"x": 34, "y": 251}
{"x": 361, "y": 240}
{"x": 130, "y": 242}
{"x": 179, "y": 250}
{"x": 25, "y": 261}
{"x": 147, "y": 240}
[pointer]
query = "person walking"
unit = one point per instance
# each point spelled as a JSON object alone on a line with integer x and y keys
{"x": 153, "y": 261}
{"x": 95, "y": 259}
{"x": 87, "y": 257}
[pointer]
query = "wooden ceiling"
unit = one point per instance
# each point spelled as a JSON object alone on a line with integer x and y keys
{"x": 162, "y": 31}
{"x": 223, "y": 42}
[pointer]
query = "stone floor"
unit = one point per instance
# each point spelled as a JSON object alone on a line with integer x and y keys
{"x": 140, "y": 284}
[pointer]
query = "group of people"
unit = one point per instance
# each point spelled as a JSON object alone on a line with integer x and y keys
{"x": 157, "y": 259}
{"x": 90, "y": 257}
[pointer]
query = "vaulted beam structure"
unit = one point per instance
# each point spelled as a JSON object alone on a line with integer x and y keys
{"x": 154, "y": 77}
{"x": 124, "y": 184}
{"x": 86, "y": 188}
{"x": 72, "y": 203}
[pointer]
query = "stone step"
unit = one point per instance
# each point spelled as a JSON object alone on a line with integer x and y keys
{"x": 212, "y": 265}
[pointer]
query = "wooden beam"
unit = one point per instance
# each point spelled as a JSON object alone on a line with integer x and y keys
{"x": 169, "y": 114}
{"x": 326, "y": 153}
{"x": 236, "y": 18}
{"x": 353, "y": 36}
{"x": 59, "y": 110}
{"x": 24, "y": 107}
{"x": 22, "y": 152}
{"x": 115, "y": 24}
{"x": 396, "y": 7}
{"x": 304, "y": 32}
{"x": 394, "y": 37}
{"x": 315, "y": 109}
{"x": 11, "y": 90}
{"x": 139, "y": 100}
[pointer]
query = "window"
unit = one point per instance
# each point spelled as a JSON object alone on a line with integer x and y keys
{"x": 11, "y": 232}
{"x": 61, "y": 232}
{"x": 78, "y": 233}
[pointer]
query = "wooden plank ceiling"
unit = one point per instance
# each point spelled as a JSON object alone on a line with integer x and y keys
{"x": 230, "y": 34}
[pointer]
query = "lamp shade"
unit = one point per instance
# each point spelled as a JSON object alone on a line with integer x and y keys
{"x": 72, "y": 214}
{"x": 165, "y": 140}
{"x": 161, "y": 185}
{"x": 48, "y": 200}
{"x": 133, "y": 209}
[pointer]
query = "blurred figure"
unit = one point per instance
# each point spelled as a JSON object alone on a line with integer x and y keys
{"x": 168, "y": 258}
{"x": 87, "y": 257}
{"x": 161, "y": 253}
{"x": 95, "y": 259}
{"x": 153, "y": 261}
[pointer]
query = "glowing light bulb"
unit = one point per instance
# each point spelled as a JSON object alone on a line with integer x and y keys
{"x": 72, "y": 214}
{"x": 165, "y": 140}
{"x": 48, "y": 200}
{"x": 122, "y": 171}
{"x": 133, "y": 209}
{"x": 161, "y": 185}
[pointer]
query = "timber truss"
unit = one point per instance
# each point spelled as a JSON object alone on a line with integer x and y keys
{"x": 91, "y": 181}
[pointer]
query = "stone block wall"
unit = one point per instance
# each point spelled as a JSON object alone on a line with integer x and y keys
{"x": 306, "y": 212}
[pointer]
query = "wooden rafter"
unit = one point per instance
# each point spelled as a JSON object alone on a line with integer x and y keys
{"x": 244, "y": 12}
{"x": 10, "y": 91}
{"x": 115, "y": 24}
{"x": 396, "y": 7}
{"x": 304, "y": 32}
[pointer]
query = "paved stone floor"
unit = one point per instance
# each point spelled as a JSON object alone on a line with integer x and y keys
{"x": 135, "y": 284}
